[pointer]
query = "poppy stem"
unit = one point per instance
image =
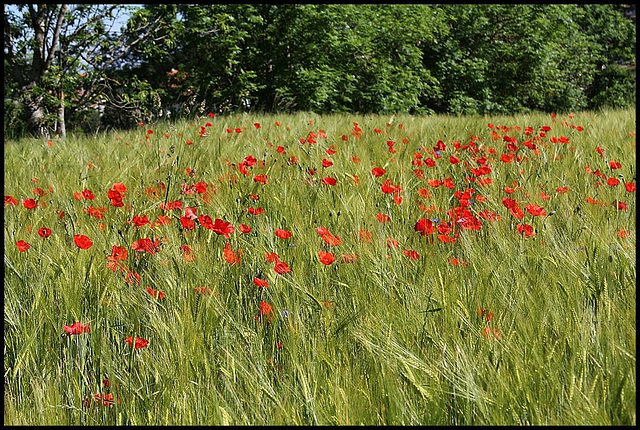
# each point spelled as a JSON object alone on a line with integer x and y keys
{"x": 132, "y": 349}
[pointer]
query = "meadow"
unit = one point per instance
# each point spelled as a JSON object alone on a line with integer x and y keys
{"x": 324, "y": 270}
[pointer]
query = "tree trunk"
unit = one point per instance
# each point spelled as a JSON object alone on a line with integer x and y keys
{"x": 61, "y": 122}
{"x": 35, "y": 114}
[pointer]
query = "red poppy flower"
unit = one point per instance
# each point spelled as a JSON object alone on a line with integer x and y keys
{"x": 76, "y": 328}
{"x": 119, "y": 187}
{"x": 155, "y": 293}
{"x": 262, "y": 179}
{"x": 22, "y": 245}
{"x": 103, "y": 399}
{"x": 139, "y": 342}
{"x": 191, "y": 213}
{"x": 230, "y": 256}
{"x": 96, "y": 212}
{"x": 281, "y": 267}
{"x": 383, "y": 217}
{"x": 513, "y": 207}
{"x": 82, "y": 241}
{"x": 614, "y": 164}
{"x": 244, "y": 228}
{"x": 446, "y": 239}
{"x": 331, "y": 240}
{"x": 10, "y": 200}
{"x": 322, "y": 231}
{"x": 488, "y": 215}
{"x": 139, "y": 221}
{"x": 206, "y": 221}
{"x": 424, "y": 226}
{"x": 326, "y": 258}
{"x": 146, "y": 245}
{"x": 115, "y": 197}
{"x": 389, "y": 188}
{"x": 458, "y": 262}
{"x": 448, "y": 182}
{"x": 630, "y": 186}
{"x": 526, "y": 229}
{"x": 516, "y": 212}
{"x": 435, "y": 183}
{"x": 612, "y": 182}
{"x": 222, "y": 227}
{"x": 445, "y": 227}
{"x": 44, "y": 232}
{"x": 535, "y": 210}
{"x": 481, "y": 171}
{"x": 187, "y": 223}
{"x": 411, "y": 254}
{"x": 329, "y": 181}
{"x": 255, "y": 211}
{"x": 162, "y": 220}
{"x": 283, "y": 234}
{"x": 118, "y": 253}
{"x": 425, "y": 193}
{"x": 271, "y": 257}
{"x": 260, "y": 282}
{"x": 507, "y": 158}
{"x": 29, "y": 203}
{"x": 621, "y": 206}
{"x": 88, "y": 194}
{"x": 265, "y": 310}
{"x": 378, "y": 171}
{"x": 326, "y": 163}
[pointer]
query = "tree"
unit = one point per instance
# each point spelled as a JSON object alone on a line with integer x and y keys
{"x": 461, "y": 59}
{"x": 510, "y": 58}
{"x": 45, "y": 21}
{"x": 59, "y": 56}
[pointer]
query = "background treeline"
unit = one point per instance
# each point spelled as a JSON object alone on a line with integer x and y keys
{"x": 66, "y": 68}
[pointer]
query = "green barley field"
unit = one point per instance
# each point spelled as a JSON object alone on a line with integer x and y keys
{"x": 324, "y": 270}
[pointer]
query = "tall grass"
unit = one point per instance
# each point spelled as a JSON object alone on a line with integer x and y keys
{"x": 382, "y": 340}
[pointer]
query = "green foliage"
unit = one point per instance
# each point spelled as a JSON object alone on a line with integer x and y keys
{"x": 614, "y": 87}
{"x": 510, "y": 58}
{"x": 186, "y": 60}
{"x": 15, "y": 125}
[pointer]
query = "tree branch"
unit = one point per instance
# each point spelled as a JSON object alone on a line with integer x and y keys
{"x": 56, "y": 37}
